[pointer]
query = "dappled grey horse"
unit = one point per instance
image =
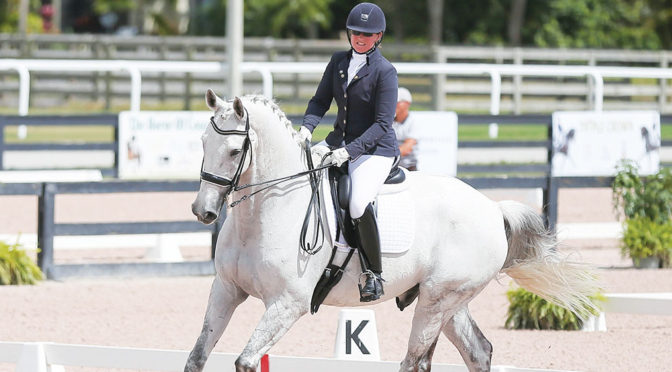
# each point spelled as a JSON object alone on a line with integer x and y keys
{"x": 461, "y": 241}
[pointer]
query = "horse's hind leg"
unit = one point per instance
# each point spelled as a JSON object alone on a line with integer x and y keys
{"x": 428, "y": 320}
{"x": 280, "y": 315}
{"x": 224, "y": 298}
{"x": 463, "y": 332}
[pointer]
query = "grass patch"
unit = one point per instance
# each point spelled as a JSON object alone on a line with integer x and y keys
{"x": 93, "y": 133}
{"x": 61, "y": 134}
{"x": 666, "y": 132}
{"x": 506, "y": 132}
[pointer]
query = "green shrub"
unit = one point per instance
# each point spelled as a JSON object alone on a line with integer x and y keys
{"x": 644, "y": 238}
{"x": 529, "y": 311}
{"x": 16, "y": 267}
{"x": 636, "y": 196}
{"x": 646, "y": 205}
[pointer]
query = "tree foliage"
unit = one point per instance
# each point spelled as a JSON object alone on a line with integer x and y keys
{"x": 287, "y": 18}
{"x": 9, "y": 16}
{"x": 597, "y": 24}
{"x": 628, "y": 24}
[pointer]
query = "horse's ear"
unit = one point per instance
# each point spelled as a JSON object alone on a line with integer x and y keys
{"x": 238, "y": 108}
{"x": 211, "y": 99}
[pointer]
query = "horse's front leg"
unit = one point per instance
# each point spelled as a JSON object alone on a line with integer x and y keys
{"x": 224, "y": 298}
{"x": 280, "y": 315}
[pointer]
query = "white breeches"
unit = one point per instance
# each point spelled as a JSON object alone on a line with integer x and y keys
{"x": 367, "y": 173}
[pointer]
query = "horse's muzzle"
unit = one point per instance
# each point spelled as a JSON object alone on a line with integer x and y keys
{"x": 205, "y": 216}
{"x": 208, "y": 204}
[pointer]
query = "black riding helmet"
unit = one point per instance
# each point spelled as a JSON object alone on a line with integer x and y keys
{"x": 366, "y": 17}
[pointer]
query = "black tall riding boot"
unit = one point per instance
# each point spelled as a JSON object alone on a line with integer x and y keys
{"x": 369, "y": 244}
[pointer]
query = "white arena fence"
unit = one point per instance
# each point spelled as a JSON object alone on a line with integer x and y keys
{"x": 135, "y": 68}
{"x": 51, "y": 357}
{"x": 54, "y": 357}
{"x": 535, "y": 177}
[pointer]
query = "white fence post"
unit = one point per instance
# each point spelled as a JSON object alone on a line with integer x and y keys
{"x": 32, "y": 359}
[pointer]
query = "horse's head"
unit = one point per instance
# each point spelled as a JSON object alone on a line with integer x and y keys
{"x": 227, "y": 147}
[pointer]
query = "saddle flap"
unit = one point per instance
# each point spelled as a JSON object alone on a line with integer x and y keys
{"x": 344, "y": 191}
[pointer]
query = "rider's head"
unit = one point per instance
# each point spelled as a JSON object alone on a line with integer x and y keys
{"x": 365, "y": 26}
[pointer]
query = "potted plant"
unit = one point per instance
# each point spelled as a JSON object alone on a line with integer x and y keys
{"x": 645, "y": 206}
{"x": 529, "y": 311}
{"x": 16, "y": 267}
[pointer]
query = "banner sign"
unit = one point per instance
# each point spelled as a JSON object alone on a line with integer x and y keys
{"x": 161, "y": 144}
{"x": 436, "y": 133}
{"x": 592, "y": 143}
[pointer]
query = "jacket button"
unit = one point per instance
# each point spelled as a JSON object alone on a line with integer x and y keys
{"x": 342, "y": 76}
{"x": 356, "y": 76}
{"x": 345, "y": 95}
{"x": 345, "y": 108}
{"x": 343, "y": 121}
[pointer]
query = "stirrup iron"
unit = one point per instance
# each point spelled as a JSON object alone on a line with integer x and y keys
{"x": 372, "y": 288}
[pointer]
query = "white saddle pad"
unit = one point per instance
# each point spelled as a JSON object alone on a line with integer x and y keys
{"x": 396, "y": 217}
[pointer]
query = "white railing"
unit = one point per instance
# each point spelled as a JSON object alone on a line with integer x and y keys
{"x": 656, "y": 303}
{"x": 595, "y": 74}
{"x": 45, "y": 357}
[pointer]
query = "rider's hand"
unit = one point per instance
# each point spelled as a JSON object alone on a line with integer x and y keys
{"x": 337, "y": 157}
{"x": 303, "y": 135}
{"x": 319, "y": 150}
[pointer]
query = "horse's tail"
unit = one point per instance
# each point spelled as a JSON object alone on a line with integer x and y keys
{"x": 535, "y": 264}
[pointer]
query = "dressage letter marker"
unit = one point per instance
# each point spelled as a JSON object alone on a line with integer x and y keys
{"x": 354, "y": 337}
{"x": 358, "y": 327}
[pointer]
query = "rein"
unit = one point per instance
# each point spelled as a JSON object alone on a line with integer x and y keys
{"x": 315, "y": 205}
{"x": 275, "y": 182}
{"x": 233, "y": 182}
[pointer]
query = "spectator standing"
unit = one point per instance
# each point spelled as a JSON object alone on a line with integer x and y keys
{"x": 404, "y": 129}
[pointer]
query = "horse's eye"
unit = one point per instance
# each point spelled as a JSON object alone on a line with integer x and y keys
{"x": 235, "y": 152}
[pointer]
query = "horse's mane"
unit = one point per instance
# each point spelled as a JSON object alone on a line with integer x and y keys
{"x": 269, "y": 103}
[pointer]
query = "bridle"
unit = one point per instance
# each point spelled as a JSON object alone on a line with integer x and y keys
{"x": 232, "y": 183}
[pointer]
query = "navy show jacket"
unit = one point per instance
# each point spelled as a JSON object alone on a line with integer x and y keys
{"x": 366, "y": 107}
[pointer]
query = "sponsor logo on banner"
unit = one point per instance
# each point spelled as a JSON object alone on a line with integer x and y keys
{"x": 161, "y": 144}
{"x": 592, "y": 143}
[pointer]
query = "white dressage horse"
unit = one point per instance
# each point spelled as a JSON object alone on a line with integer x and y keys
{"x": 461, "y": 242}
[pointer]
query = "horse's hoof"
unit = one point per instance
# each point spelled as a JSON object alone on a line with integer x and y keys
{"x": 244, "y": 366}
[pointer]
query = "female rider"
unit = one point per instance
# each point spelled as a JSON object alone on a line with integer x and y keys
{"x": 364, "y": 85}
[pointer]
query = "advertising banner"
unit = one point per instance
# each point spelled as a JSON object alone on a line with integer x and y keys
{"x": 436, "y": 133}
{"x": 591, "y": 143}
{"x": 161, "y": 144}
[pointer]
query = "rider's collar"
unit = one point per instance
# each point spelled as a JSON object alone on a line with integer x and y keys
{"x": 370, "y": 55}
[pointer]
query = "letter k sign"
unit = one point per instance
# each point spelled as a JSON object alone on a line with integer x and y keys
{"x": 354, "y": 336}
{"x": 357, "y": 326}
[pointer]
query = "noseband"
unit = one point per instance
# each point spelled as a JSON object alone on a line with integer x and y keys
{"x": 232, "y": 182}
